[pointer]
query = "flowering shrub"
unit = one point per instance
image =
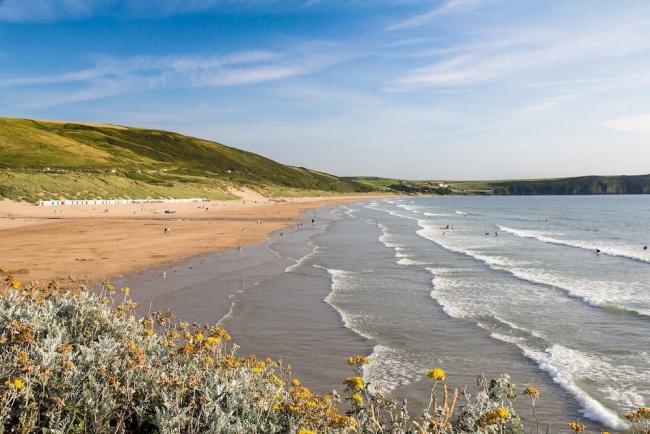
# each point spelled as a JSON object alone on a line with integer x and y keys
{"x": 74, "y": 361}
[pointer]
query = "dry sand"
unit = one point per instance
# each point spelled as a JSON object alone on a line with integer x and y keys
{"x": 92, "y": 243}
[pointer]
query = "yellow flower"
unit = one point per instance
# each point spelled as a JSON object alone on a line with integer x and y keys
{"x": 306, "y": 431}
{"x": 355, "y": 382}
{"x": 577, "y": 427}
{"x": 259, "y": 366}
{"x": 436, "y": 374}
{"x": 357, "y": 399}
{"x": 295, "y": 382}
{"x": 344, "y": 421}
{"x": 17, "y": 383}
{"x": 15, "y": 283}
{"x": 503, "y": 413}
{"x": 208, "y": 360}
{"x": 149, "y": 332}
{"x": 126, "y": 290}
{"x": 276, "y": 380}
{"x": 532, "y": 392}
{"x": 358, "y": 360}
{"x": 213, "y": 340}
{"x": 605, "y": 432}
{"x": 198, "y": 336}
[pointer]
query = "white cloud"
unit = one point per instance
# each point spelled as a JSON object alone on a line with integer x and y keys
{"x": 47, "y": 10}
{"x": 491, "y": 60}
{"x": 113, "y": 76}
{"x": 546, "y": 105}
{"x": 630, "y": 123}
{"x": 447, "y": 7}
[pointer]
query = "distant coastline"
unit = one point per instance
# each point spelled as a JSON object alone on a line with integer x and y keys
{"x": 581, "y": 185}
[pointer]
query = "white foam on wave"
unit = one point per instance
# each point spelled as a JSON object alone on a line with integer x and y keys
{"x": 387, "y": 239}
{"x": 565, "y": 366}
{"x": 443, "y": 279}
{"x": 411, "y": 208}
{"x": 611, "y": 294}
{"x": 622, "y": 251}
{"x": 463, "y": 213}
{"x": 339, "y": 278}
{"x": 350, "y": 212}
{"x": 433, "y": 214}
{"x": 391, "y": 368}
{"x": 315, "y": 250}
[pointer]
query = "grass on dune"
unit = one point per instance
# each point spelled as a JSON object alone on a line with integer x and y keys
{"x": 34, "y": 185}
{"x": 145, "y": 160}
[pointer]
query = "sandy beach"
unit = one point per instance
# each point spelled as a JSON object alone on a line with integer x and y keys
{"x": 91, "y": 243}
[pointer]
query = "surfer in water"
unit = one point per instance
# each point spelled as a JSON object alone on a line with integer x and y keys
{"x": 598, "y": 251}
{"x": 645, "y": 248}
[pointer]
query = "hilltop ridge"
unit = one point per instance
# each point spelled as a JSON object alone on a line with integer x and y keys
{"x": 40, "y": 159}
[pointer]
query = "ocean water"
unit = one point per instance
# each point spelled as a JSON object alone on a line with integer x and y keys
{"x": 469, "y": 284}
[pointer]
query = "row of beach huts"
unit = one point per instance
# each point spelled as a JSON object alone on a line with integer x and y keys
{"x": 78, "y": 202}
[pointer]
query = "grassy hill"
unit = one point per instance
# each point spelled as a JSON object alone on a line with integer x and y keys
{"x": 637, "y": 184}
{"x": 43, "y": 159}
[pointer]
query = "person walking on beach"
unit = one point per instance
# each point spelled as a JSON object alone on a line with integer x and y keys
{"x": 167, "y": 230}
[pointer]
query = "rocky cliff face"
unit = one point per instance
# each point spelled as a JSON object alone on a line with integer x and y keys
{"x": 639, "y": 184}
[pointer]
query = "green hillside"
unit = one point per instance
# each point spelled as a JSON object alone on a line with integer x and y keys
{"x": 65, "y": 159}
{"x": 637, "y": 184}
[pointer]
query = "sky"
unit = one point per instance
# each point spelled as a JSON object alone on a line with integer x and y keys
{"x": 416, "y": 89}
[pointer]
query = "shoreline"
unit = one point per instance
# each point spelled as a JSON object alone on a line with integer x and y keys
{"x": 244, "y": 289}
{"x": 90, "y": 243}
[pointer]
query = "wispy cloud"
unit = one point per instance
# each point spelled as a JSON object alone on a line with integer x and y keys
{"x": 546, "y": 105}
{"x": 21, "y": 11}
{"x": 447, "y": 7}
{"x": 491, "y": 61}
{"x": 113, "y": 76}
{"x": 634, "y": 123}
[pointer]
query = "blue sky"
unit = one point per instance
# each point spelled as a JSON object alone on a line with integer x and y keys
{"x": 427, "y": 89}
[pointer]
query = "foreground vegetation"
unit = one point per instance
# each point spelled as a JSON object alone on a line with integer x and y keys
{"x": 41, "y": 159}
{"x": 74, "y": 361}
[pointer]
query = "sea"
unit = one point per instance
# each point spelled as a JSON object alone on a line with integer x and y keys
{"x": 552, "y": 290}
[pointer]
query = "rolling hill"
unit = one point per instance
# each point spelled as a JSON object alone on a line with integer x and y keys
{"x": 45, "y": 159}
{"x": 634, "y": 184}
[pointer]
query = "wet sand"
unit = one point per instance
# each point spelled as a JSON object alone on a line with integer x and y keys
{"x": 91, "y": 243}
{"x": 269, "y": 312}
